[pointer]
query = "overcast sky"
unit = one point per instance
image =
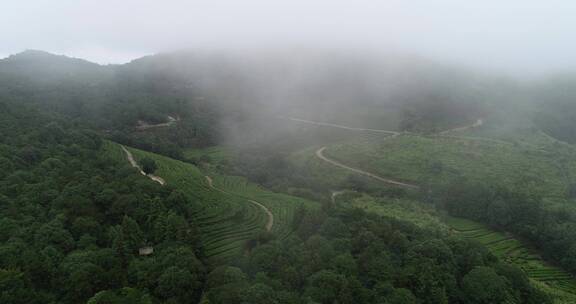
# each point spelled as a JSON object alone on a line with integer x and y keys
{"x": 515, "y": 36}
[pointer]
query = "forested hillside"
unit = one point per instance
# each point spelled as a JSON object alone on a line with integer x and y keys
{"x": 236, "y": 197}
{"x": 112, "y": 99}
{"x": 73, "y": 217}
{"x": 208, "y": 92}
{"x": 73, "y": 220}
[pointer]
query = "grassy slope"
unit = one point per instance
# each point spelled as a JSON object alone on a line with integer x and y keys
{"x": 214, "y": 154}
{"x": 419, "y": 214}
{"x": 413, "y": 158}
{"x": 306, "y": 162}
{"x": 327, "y": 175}
{"x": 226, "y": 221}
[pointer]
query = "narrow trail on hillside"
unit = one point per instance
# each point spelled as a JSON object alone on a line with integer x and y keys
{"x": 335, "y": 194}
{"x": 561, "y": 282}
{"x": 270, "y": 222}
{"x": 393, "y": 133}
{"x": 477, "y": 123}
{"x": 320, "y": 152}
{"x": 134, "y": 164}
{"x": 145, "y": 126}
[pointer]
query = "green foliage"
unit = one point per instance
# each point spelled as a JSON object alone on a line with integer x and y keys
{"x": 530, "y": 199}
{"x": 226, "y": 285}
{"x": 422, "y": 215}
{"x": 114, "y": 98}
{"x": 483, "y": 285}
{"x": 260, "y": 294}
{"x": 73, "y": 218}
{"x": 512, "y": 251}
{"x": 148, "y": 165}
{"x": 16, "y": 288}
{"x": 525, "y": 215}
{"x": 357, "y": 257}
{"x": 179, "y": 284}
{"x": 328, "y": 287}
{"x": 418, "y": 159}
{"x": 226, "y": 218}
{"x": 78, "y": 224}
{"x": 125, "y": 295}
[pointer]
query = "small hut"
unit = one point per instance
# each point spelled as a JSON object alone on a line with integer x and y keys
{"x": 146, "y": 250}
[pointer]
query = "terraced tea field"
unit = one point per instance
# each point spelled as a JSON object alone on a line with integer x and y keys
{"x": 226, "y": 219}
{"x": 282, "y": 206}
{"x": 511, "y": 250}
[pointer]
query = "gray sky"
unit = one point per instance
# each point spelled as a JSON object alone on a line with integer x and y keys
{"x": 514, "y": 36}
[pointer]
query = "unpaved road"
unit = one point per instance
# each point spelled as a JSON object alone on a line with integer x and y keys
{"x": 393, "y": 133}
{"x": 144, "y": 126}
{"x": 134, "y": 164}
{"x": 477, "y": 123}
{"x": 320, "y": 154}
{"x": 161, "y": 181}
{"x": 270, "y": 222}
{"x": 335, "y": 194}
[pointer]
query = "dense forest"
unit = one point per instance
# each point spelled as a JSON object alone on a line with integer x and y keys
{"x": 73, "y": 221}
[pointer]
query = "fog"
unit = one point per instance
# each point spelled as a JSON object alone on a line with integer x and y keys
{"x": 518, "y": 37}
{"x": 367, "y": 64}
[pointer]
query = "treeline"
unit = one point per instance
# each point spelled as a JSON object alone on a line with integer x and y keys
{"x": 349, "y": 256}
{"x": 74, "y": 223}
{"x": 550, "y": 228}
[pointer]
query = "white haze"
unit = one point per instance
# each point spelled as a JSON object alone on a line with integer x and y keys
{"x": 519, "y": 37}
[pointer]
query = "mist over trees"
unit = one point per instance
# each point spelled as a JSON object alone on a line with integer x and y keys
{"x": 77, "y": 225}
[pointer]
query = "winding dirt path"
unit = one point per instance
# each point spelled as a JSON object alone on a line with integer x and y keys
{"x": 335, "y": 194}
{"x": 145, "y": 126}
{"x": 270, "y": 222}
{"x": 134, "y": 164}
{"x": 393, "y": 133}
{"x": 477, "y": 123}
{"x": 320, "y": 154}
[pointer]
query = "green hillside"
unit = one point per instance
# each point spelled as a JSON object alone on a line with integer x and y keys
{"x": 440, "y": 160}
{"x": 414, "y": 158}
{"x": 227, "y": 219}
{"x": 421, "y": 215}
{"x": 561, "y": 284}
